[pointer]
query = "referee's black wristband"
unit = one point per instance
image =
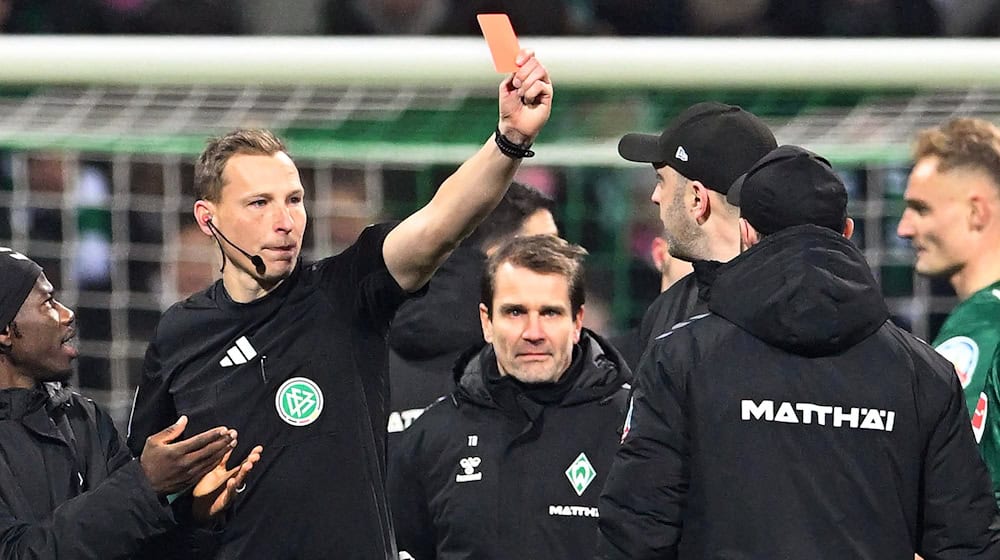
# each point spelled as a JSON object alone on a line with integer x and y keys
{"x": 511, "y": 149}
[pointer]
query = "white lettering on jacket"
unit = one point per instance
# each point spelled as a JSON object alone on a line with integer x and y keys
{"x": 818, "y": 414}
{"x": 574, "y": 511}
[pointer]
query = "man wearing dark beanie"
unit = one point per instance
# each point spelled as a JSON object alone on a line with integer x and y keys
{"x": 69, "y": 488}
{"x": 696, "y": 158}
{"x": 795, "y": 420}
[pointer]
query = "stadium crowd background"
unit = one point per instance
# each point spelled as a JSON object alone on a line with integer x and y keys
{"x": 855, "y": 18}
{"x": 113, "y": 229}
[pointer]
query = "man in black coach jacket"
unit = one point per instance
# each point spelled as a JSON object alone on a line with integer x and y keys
{"x": 794, "y": 420}
{"x": 510, "y": 465}
{"x": 69, "y": 488}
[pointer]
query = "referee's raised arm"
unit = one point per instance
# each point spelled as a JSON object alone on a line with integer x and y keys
{"x": 418, "y": 245}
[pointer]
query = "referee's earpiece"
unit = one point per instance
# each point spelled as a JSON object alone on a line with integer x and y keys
{"x": 257, "y": 262}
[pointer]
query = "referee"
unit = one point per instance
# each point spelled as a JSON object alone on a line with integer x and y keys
{"x": 292, "y": 354}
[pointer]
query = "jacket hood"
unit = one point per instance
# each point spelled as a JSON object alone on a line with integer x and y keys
{"x": 445, "y": 320}
{"x": 604, "y": 372}
{"x": 805, "y": 289}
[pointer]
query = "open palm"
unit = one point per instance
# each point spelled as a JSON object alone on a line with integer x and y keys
{"x": 215, "y": 490}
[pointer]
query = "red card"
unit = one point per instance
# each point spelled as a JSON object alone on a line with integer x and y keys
{"x": 500, "y": 37}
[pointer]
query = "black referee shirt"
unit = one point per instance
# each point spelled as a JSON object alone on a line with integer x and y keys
{"x": 300, "y": 371}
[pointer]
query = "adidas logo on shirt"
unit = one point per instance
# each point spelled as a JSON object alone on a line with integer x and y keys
{"x": 239, "y": 353}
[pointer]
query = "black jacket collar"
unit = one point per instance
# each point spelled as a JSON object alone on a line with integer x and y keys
{"x": 602, "y": 372}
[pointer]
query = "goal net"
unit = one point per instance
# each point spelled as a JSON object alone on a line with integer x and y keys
{"x": 98, "y": 136}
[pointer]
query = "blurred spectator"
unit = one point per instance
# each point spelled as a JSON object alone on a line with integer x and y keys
{"x": 45, "y": 177}
{"x": 639, "y": 17}
{"x": 145, "y": 226}
{"x": 386, "y": 17}
{"x": 799, "y": 18}
{"x": 724, "y": 17}
{"x": 444, "y": 17}
{"x": 92, "y": 197}
{"x": 346, "y": 210}
{"x": 598, "y": 317}
{"x": 50, "y": 16}
{"x": 188, "y": 17}
{"x": 671, "y": 269}
{"x": 289, "y": 17}
{"x": 197, "y": 261}
{"x": 855, "y": 18}
{"x": 45, "y": 172}
{"x": 977, "y": 18}
{"x": 529, "y": 17}
{"x": 545, "y": 180}
{"x": 124, "y": 16}
{"x": 184, "y": 17}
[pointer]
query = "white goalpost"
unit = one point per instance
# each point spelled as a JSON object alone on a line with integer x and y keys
{"x": 433, "y": 62}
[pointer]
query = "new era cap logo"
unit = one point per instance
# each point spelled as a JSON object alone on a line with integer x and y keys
{"x": 13, "y": 254}
{"x": 239, "y": 353}
{"x": 681, "y": 154}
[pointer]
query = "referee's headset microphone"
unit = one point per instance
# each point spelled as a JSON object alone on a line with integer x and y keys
{"x": 258, "y": 262}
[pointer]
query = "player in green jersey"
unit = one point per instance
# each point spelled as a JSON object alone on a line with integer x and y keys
{"x": 969, "y": 337}
{"x": 986, "y": 422}
{"x": 952, "y": 218}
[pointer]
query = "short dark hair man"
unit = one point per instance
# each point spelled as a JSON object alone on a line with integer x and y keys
{"x": 795, "y": 420}
{"x": 511, "y": 464}
{"x": 68, "y": 487}
{"x": 293, "y": 353}
{"x": 696, "y": 158}
{"x": 430, "y": 332}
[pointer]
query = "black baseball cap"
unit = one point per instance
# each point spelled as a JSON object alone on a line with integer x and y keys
{"x": 710, "y": 142}
{"x": 790, "y": 186}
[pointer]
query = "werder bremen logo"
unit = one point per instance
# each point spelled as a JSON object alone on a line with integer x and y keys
{"x": 299, "y": 401}
{"x": 580, "y": 474}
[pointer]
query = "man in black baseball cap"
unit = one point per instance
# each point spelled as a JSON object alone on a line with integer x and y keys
{"x": 708, "y": 142}
{"x": 798, "y": 399}
{"x": 788, "y": 187}
{"x": 697, "y": 158}
{"x": 68, "y": 487}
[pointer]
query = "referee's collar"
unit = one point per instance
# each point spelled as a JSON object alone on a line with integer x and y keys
{"x": 227, "y": 302}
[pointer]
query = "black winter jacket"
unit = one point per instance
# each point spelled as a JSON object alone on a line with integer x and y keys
{"x": 796, "y": 421}
{"x": 69, "y": 489}
{"x": 686, "y": 298}
{"x": 490, "y": 472}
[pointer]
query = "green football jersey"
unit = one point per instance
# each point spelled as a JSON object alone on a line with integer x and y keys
{"x": 969, "y": 337}
{"x": 986, "y": 422}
